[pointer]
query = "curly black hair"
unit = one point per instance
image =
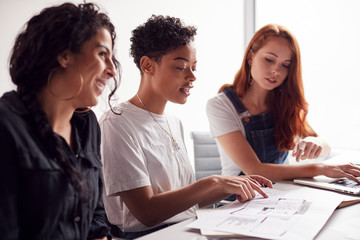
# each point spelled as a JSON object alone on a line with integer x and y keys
{"x": 159, "y": 35}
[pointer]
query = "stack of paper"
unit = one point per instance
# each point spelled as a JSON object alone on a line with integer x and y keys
{"x": 284, "y": 215}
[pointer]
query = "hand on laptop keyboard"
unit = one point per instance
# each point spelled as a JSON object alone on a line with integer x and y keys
{"x": 347, "y": 183}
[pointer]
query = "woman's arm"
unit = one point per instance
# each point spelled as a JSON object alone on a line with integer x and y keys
{"x": 151, "y": 209}
{"x": 99, "y": 228}
{"x": 240, "y": 151}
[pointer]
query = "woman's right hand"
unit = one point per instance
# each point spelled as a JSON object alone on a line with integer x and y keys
{"x": 244, "y": 186}
{"x": 349, "y": 170}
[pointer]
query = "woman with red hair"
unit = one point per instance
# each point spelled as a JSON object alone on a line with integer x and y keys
{"x": 262, "y": 115}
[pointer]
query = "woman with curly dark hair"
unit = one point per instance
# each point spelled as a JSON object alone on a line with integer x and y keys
{"x": 149, "y": 182}
{"x": 50, "y": 139}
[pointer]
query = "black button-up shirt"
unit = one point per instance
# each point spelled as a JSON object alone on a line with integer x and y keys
{"x": 37, "y": 199}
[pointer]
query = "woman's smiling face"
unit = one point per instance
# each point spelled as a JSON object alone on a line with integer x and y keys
{"x": 95, "y": 65}
{"x": 174, "y": 74}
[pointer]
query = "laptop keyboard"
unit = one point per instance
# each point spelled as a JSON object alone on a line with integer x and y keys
{"x": 347, "y": 183}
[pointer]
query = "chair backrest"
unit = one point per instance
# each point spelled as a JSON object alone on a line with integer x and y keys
{"x": 206, "y": 155}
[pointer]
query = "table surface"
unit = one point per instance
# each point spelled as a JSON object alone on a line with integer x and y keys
{"x": 344, "y": 223}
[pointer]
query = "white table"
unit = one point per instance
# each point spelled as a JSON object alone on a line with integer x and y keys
{"x": 344, "y": 223}
{"x": 337, "y": 227}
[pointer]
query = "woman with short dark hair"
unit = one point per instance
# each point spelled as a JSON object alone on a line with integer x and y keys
{"x": 149, "y": 182}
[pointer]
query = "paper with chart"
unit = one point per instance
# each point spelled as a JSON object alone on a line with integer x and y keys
{"x": 284, "y": 215}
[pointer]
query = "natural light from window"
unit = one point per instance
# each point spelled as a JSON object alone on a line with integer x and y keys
{"x": 328, "y": 32}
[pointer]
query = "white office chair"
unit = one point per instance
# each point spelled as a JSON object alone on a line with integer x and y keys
{"x": 206, "y": 155}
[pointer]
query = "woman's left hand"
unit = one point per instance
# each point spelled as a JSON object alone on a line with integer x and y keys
{"x": 310, "y": 148}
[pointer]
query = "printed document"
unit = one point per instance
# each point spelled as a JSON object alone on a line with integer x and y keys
{"x": 297, "y": 214}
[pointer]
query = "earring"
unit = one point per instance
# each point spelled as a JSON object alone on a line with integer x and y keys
{"x": 54, "y": 94}
{"x": 250, "y": 79}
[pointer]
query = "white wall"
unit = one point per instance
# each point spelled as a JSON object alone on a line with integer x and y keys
{"x": 219, "y": 46}
{"x": 328, "y": 32}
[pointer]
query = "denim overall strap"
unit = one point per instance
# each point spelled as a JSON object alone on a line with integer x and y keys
{"x": 259, "y": 130}
{"x": 230, "y": 93}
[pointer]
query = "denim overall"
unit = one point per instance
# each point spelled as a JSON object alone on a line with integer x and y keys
{"x": 259, "y": 132}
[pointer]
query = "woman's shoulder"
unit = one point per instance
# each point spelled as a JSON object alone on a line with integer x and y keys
{"x": 11, "y": 109}
{"x": 219, "y": 98}
{"x": 14, "y": 121}
{"x": 118, "y": 113}
{"x": 123, "y": 117}
{"x": 217, "y": 102}
{"x": 125, "y": 112}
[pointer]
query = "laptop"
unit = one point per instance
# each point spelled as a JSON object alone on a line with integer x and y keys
{"x": 343, "y": 185}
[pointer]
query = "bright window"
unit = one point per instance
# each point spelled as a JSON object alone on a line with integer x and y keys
{"x": 328, "y": 32}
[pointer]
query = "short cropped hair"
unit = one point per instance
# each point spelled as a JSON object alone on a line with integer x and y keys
{"x": 159, "y": 35}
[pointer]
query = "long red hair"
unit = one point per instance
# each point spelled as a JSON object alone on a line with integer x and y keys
{"x": 287, "y": 102}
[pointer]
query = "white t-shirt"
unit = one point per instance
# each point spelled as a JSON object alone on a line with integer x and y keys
{"x": 136, "y": 152}
{"x": 223, "y": 118}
